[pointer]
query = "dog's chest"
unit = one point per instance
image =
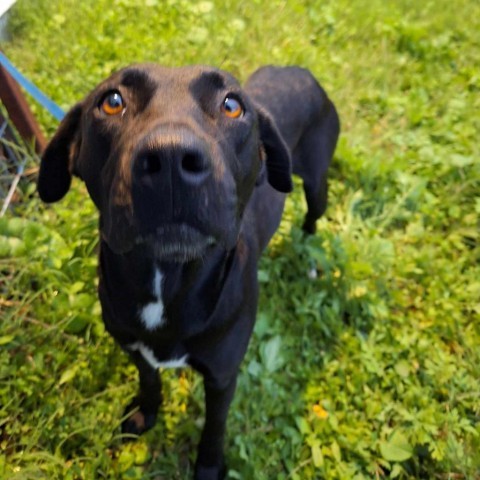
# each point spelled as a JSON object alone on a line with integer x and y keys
{"x": 152, "y": 313}
{"x": 152, "y": 317}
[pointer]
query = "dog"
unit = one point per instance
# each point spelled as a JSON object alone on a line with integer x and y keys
{"x": 189, "y": 173}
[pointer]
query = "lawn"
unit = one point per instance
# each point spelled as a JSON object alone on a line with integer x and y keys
{"x": 372, "y": 370}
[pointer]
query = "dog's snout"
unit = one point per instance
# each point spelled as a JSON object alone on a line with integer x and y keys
{"x": 194, "y": 163}
{"x": 149, "y": 163}
{"x": 191, "y": 164}
{"x": 171, "y": 171}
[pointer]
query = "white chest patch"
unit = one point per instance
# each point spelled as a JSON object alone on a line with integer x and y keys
{"x": 152, "y": 313}
{"x": 149, "y": 356}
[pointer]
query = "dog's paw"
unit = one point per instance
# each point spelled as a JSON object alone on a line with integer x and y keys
{"x": 138, "y": 421}
{"x": 210, "y": 473}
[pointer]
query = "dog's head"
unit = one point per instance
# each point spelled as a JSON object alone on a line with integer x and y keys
{"x": 170, "y": 157}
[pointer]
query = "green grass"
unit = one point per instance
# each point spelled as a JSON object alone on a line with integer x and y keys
{"x": 371, "y": 370}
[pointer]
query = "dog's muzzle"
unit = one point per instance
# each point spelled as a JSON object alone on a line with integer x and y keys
{"x": 181, "y": 199}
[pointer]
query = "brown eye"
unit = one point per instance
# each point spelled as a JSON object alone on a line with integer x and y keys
{"x": 112, "y": 104}
{"x": 232, "y": 107}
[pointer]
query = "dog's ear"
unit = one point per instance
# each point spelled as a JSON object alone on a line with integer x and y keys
{"x": 57, "y": 161}
{"x": 279, "y": 163}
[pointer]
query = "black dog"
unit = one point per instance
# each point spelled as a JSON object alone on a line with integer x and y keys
{"x": 188, "y": 171}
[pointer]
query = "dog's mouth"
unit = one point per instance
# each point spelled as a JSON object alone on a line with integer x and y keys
{"x": 176, "y": 243}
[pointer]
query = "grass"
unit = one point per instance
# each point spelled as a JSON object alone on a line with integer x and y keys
{"x": 369, "y": 371}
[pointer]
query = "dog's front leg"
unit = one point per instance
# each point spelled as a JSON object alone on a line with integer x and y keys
{"x": 145, "y": 405}
{"x": 210, "y": 463}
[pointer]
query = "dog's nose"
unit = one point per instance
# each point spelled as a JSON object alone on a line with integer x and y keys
{"x": 188, "y": 162}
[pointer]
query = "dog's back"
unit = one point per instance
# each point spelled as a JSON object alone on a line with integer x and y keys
{"x": 307, "y": 121}
{"x": 291, "y": 95}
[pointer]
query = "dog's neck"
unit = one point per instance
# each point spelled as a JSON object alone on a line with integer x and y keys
{"x": 179, "y": 291}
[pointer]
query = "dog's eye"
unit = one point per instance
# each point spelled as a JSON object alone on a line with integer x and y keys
{"x": 232, "y": 107}
{"x": 112, "y": 104}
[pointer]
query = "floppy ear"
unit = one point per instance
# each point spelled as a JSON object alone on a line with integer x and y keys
{"x": 279, "y": 164}
{"x": 56, "y": 165}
